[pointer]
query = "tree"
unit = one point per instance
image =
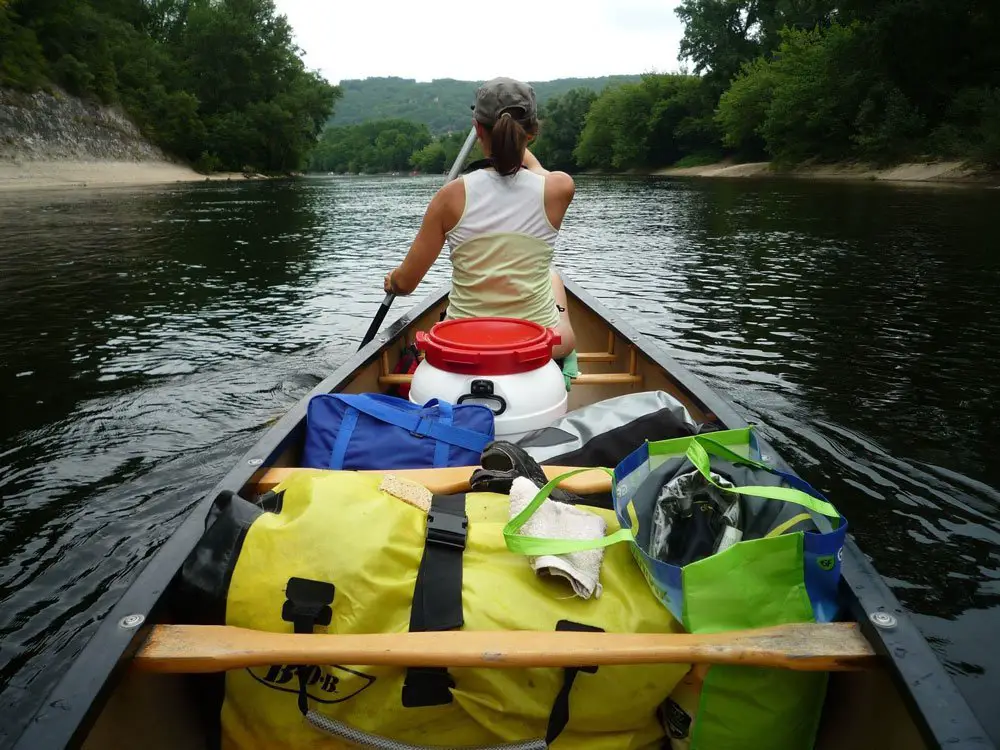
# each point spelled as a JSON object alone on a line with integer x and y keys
{"x": 431, "y": 158}
{"x": 22, "y": 64}
{"x": 217, "y": 81}
{"x": 721, "y": 35}
{"x": 562, "y": 121}
{"x": 744, "y": 107}
{"x": 653, "y": 123}
{"x": 383, "y": 146}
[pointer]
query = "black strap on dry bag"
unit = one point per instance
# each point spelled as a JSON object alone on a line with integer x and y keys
{"x": 307, "y": 605}
{"x": 559, "y": 715}
{"x": 437, "y": 596}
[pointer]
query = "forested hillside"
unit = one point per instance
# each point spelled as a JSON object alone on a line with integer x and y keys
{"x": 881, "y": 81}
{"x": 216, "y": 82}
{"x": 442, "y": 105}
{"x": 792, "y": 81}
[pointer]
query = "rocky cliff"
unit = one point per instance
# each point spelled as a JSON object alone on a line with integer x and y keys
{"x": 57, "y": 126}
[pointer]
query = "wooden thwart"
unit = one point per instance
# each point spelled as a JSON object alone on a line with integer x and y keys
{"x": 590, "y": 378}
{"x": 449, "y": 480}
{"x": 217, "y": 648}
{"x": 607, "y": 378}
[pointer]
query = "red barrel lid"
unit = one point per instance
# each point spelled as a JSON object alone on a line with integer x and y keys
{"x": 488, "y": 346}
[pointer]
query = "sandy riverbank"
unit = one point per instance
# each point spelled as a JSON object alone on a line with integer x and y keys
{"x": 933, "y": 172}
{"x": 45, "y": 175}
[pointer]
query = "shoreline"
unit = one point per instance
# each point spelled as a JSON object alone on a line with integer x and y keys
{"x": 940, "y": 172}
{"x": 32, "y": 175}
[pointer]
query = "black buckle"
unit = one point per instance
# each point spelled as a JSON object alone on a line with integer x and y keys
{"x": 446, "y": 528}
{"x": 308, "y": 604}
{"x": 427, "y": 686}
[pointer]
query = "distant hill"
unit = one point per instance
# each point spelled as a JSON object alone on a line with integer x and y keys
{"x": 442, "y": 104}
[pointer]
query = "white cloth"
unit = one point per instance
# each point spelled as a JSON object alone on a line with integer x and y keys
{"x": 561, "y": 521}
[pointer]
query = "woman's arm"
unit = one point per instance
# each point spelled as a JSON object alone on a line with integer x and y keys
{"x": 427, "y": 246}
{"x": 533, "y": 165}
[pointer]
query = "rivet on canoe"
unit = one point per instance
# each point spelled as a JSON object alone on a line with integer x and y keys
{"x": 883, "y": 620}
{"x": 131, "y": 621}
{"x": 255, "y": 461}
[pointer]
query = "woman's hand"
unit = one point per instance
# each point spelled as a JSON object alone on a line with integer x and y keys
{"x": 388, "y": 282}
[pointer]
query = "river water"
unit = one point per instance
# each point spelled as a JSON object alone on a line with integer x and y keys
{"x": 148, "y": 336}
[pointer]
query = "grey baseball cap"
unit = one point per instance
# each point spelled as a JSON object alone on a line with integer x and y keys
{"x": 493, "y": 97}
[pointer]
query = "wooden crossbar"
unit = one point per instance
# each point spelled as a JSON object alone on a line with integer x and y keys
{"x": 217, "y": 648}
{"x": 448, "y": 480}
{"x": 587, "y": 378}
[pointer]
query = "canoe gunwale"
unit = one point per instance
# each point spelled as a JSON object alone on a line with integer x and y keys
{"x": 71, "y": 707}
{"x": 941, "y": 713}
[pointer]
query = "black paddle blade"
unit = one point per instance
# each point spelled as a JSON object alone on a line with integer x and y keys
{"x": 383, "y": 310}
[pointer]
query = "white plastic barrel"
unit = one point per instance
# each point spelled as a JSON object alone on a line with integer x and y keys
{"x": 503, "y": 363}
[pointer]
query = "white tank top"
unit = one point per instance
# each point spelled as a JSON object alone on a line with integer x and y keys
{"x": 501, "y": 250}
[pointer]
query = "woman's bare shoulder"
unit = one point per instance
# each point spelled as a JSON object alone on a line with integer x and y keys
{"x": 559, "y": 185}
{"x": 450, "y": 200}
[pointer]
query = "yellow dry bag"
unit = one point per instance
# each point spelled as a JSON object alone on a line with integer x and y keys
{"x": 339, "y": 555}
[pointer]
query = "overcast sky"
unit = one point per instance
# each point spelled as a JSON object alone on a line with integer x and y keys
{"x": 451, "y": 39}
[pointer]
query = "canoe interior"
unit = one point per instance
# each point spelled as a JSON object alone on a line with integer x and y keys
{"x": 603, "y": 352}
{"x": 862, "y": 710}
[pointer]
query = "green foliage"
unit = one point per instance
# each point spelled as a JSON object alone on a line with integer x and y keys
{"x": 562, "y": 121}
{"x": 22, "y": 64}
{"x": 218, "y": 82}
{"x": 443, "y": 104}
{"x": 878, "y": 80}
{"x": 889, "y": 128}
{"x": 74, "y": 75}
{"x": 696, "y": 160}
{"x": 743, "y": 108}
{"x": 207, "y": 163}
{"x": 822, "y": 80}
{"x": 972, "y": 127}
{"x": 381, "y": 146}
{"x": 720, "y": 36}
{"x": 596, "y": 147}
{"x": 819, "y": 98}
{"x": 431, "y": 158}
{"x": 649, "y": 124}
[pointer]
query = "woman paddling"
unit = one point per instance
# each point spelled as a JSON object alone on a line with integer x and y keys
{"x": 501, "y": 223}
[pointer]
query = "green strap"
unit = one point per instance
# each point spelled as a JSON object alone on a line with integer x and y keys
{"x": 534, "y": 546}
{"x": 720, "y": 450}
{"x": 698, "y": 448}
{"x": 678, "y": 446}
{"x": 781, "y": 528}
{"x": 698, "y": 456}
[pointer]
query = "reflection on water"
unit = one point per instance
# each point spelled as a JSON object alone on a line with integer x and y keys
{"x": 150, "y": 335}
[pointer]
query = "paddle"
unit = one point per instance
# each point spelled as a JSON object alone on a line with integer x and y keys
{"x": 216, "y": 648}
{"x": 383, "y": 309}
{"x": 380, "y": 314}
{"x": 445, "y": 481}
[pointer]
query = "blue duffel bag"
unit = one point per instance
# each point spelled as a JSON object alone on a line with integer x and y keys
{"x": 372, "y": 431}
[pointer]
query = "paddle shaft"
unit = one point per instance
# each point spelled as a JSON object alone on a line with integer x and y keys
{"x": 217, "y": 648}
{"x": 383, "y": 309}
{"x": 445, "y": 481}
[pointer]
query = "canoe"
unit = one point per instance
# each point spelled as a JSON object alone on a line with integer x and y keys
{"x": 904, "y": 698}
